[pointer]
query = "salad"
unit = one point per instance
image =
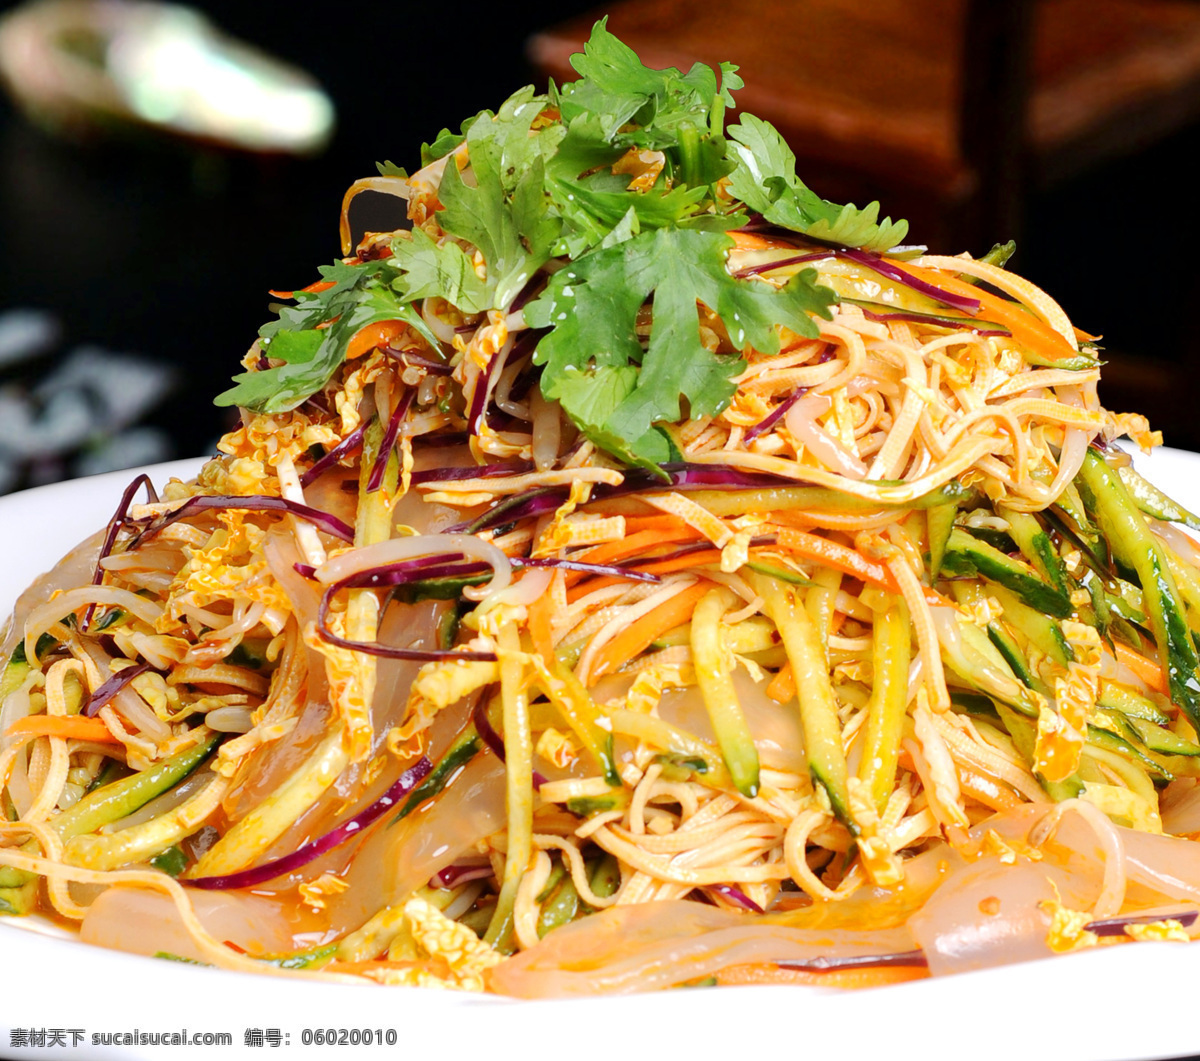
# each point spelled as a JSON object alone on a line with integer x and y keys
{"x": 638, "y": 571}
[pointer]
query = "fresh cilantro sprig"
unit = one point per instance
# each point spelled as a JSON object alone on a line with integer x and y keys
{"x": 541, "y": 185}
{"x": 764, "y": 178}
{"x": 595, "y": 366}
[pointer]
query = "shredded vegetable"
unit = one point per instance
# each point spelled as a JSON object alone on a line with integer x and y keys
{"x": 636, "y": 572}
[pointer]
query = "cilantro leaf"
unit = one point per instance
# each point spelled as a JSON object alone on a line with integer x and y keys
{"x": 311, "y": 356}
{"x": 442, "y": 271}
{"x": 592, "y": 307}
{"x": 504, "y": 213}
{"x": 764, "y": 178}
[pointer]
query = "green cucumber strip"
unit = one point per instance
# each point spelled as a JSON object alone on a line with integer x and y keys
{"x": 993, "y": 565}
{"x": 1163, "y": 741}
{"x": 461, "y": 752}
{"x": 1117, "y": 697}
{"x": 1036, "y": 546}
{"x": 941, "y": 523}
{"x": 1153, "y": 502}
{"x": 559, "y": 908}
{"x": 1042, "y": 631}
{"x": 1133, "y": 545}
{"x": 122, "y": 798}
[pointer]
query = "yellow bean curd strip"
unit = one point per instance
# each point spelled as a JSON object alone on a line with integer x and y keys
{"x": 818, "y": 707}
{"x": 954, "y": 464}
{"x": 889, "y": 699}
{"x": 714, "y": 670}
{"x": 518, "y": 755}
{"x": 60, "y": 702}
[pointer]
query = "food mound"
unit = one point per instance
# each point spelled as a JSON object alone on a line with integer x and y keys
{"x": 637, "y": 572}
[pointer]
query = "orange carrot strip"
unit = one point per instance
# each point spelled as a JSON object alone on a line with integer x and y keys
{"x": 315, "y": 288}
{"x": 783, "y": 685}
{"x": 1148, "y": 670}
{"x": 772, "y": 974}
{"x": 638, "y": 635}
{"x": 663, "y": 522}
{"x": 632, "y": 544}
{"x": 649, "y": 567}
{"x": 69, "y": 727}
{"x": 842, "y": 558}
{"x": 373, "y": 335}
{"x": 1025, "y": 327}
{"x": 747, "y": 241}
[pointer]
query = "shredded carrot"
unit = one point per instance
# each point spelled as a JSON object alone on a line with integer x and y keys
{"x": 69, "y": 727}
{"x": 632, "y": 544}
{"x": 315, "y": 288}
{"x": 373, "y": 335}
{"x": 842, "y": 558}
{"x": 638, "y": 635}
{"x": 1025, "y": 327}
{"x": 783, "y": 685}
{"x": 1147, "y": 669}
{"x": 773, "y": 974}
{"x": 747, "y": 241}
{"x": 662, "y": 567}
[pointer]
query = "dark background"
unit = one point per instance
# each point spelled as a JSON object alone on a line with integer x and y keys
{"x": 170, "y": 252}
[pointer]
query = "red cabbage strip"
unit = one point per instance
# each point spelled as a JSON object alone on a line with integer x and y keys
{"x": 255, "y": 503}
{"x": 893, "y": 272}
{"x": 698, "y": 547}
{"x": 483, "y": 387}
{"x": 772, "y": 418}
{"x": 782, "y": 263}
{"x": 911, "y": 958}
{"x": 611, "y": 570}
{"x": 442, "y": 438}
{"x": 352, "y": 443}
{"x": 872, "y": 261}
{"x": 736, "y": 896}
{"x": 454, "y": 875}
{"x": 493, "y": 740}
{"x": 375, "y": 480}
{"x": 473, "y": 471}
{"x": 305, "y": 853}
{"x": 408, "y": 357}
{"x": 1115, "y": 926}
{"x": 683, "y": 476}
{"x": 110, "y": 535}
{"x": 401, "y": 574}
{"x": 446, "y": 565}
{"x": 111, "y": 687}
{"x": 514, "y": 509}
{"x": 374, "y": 648}
{"x": 933, "y": 318}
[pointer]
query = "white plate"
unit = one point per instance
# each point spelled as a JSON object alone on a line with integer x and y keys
{"x": 1133, "y": 1001}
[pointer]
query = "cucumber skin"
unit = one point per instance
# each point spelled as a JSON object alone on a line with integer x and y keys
{"x": 1132, "y": 544}
{"x": 967, "y": 555}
